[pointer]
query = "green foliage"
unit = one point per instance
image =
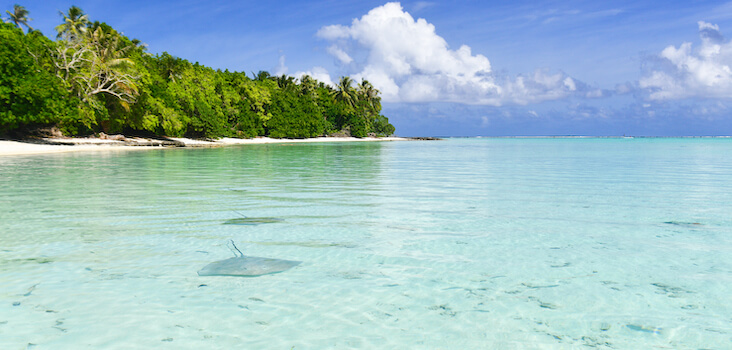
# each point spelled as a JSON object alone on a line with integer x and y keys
{"x": 195, "y": 93}
{"x": 328, "y": 109}
{"x": 294, "y": 116}
{"x": 30, "y": 95}
{"x": 358, "y": 126}
{"x": 96, "y": 79}
{"x": 249, "y": 105}
{"x": 157, "y": 109}
{"x": 259, "y": 96}
{"x": 382, "y": 127}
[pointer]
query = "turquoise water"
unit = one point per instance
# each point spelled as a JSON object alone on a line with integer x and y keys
{"x": 456, "y": 244}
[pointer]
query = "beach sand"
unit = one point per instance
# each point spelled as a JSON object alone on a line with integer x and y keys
{"x": 59, "y": 145}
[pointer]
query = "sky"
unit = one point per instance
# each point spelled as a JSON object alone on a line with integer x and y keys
{"x": 465, "y": 68}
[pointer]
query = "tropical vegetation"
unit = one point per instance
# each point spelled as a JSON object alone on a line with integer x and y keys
{"x": 94, "y": 79}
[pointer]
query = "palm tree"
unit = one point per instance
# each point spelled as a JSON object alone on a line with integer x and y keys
{"x": 285, "y": 82}
{"x": 262, "y": 76}
{"x": 308, "y": 86}
{"x": 370, "y": 95}
{"x": 74, "y": 26}
{"x": 171, "y": 67}
{"x": 345, "y": 93}
{"x": 19, "y": 16}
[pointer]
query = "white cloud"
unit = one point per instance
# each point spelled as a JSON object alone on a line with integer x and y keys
{"x": 318, "y": 73}
{"x": 684, "y": 73}
{"x": 485, "y": 121}
{"x": 421, "y": 5}
{"x": 281, "y": 66}
{"x": 333, "y": 32}
{"x": 625, "y": 88}
{"x": 341, "y": 55}
{"x": 408, "y": 62}
{"x": 597, "y": 93}
{"x": 536, "y": 87}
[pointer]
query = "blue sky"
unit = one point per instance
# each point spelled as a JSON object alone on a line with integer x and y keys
{"x": 466, "y": 68}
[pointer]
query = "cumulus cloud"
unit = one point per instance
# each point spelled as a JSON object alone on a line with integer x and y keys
{"x": 341, "y": 55}
{"x": 682, "y": 72}
{"x": 317, "y": 73}
{"x": 281, "y": 66}
{"x": 409, "y": 62}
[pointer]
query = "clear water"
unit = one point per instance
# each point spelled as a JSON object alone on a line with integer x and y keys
{"x": 456, "y": 244}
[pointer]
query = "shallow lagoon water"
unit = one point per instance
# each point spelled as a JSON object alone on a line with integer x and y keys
{"x": 456, "y": 244}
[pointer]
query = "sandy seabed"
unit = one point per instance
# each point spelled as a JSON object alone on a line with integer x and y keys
{"x": 59, "y": 145}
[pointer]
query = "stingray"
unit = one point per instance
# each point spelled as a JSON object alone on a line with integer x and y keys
{"x": 252, "y": 221}
{"x": 246, "y": 266}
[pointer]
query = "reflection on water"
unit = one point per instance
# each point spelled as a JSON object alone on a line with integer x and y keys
{"x": 491, "y": 243}
{"x": 92, "y": 196}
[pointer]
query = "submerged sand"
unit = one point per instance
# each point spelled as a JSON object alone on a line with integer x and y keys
{"x": 59, "y": 145}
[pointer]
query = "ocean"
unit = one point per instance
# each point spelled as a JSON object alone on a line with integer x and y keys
{"x": 492, "y": 243}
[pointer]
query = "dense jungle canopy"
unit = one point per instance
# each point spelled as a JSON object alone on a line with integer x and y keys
{"x": 94, "y": 79}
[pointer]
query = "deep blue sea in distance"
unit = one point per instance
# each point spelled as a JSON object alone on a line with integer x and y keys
{"x": 464, "y": 243}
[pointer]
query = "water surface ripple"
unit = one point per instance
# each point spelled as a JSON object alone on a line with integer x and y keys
{"x": 456, "y": 244}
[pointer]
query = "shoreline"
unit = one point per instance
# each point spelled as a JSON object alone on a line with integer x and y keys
{"x": 118, "y": 142}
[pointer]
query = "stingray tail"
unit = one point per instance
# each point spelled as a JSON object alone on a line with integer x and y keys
{"x": 231, "y": 241}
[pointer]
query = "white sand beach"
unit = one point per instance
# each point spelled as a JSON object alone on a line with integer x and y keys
{"x": 60, "y": 145}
